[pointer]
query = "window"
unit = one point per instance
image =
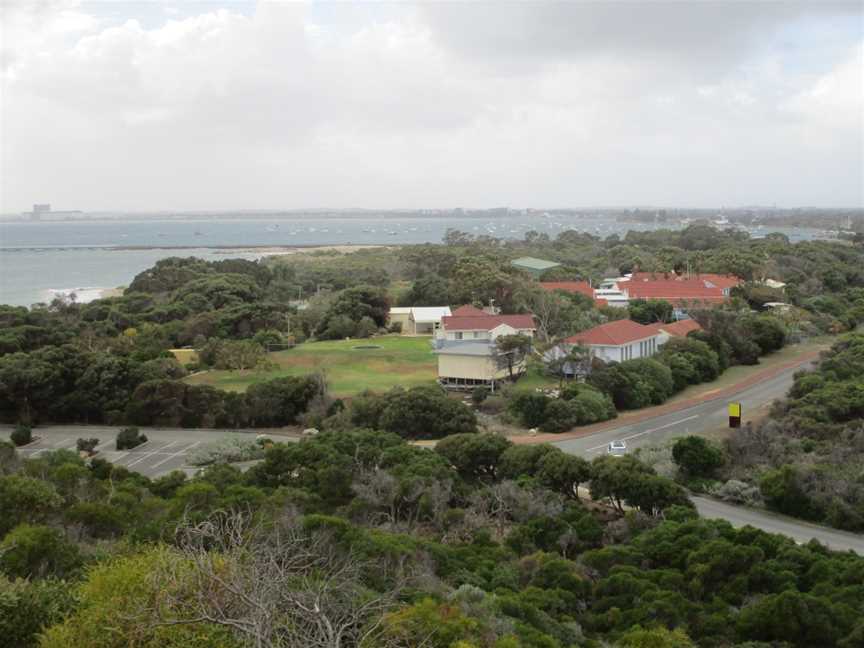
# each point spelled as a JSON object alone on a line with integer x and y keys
{"x": 457, "y": 335}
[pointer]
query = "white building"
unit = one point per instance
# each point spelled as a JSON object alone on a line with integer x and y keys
{"x": 619, "y": 341}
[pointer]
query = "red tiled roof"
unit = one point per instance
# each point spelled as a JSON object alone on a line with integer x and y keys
{"x": 486, "y": 322}
{"x": 677, "y": 291}
{"x": 613, "y": 333}
{"x": 678, "y": 329}
{"x": 718, "y": 280}
{"x": 468, "y": 311}
{"x": 569, "y": 286}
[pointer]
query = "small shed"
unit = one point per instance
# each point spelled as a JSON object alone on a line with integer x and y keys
{"x": 534, "y": 267}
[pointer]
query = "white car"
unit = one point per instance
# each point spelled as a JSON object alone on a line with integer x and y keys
{"x": 617, "y": 449}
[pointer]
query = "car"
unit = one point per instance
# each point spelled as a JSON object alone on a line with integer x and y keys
{"x": 617, "y": 449}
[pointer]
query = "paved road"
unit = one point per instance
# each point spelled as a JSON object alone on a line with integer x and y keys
{"x": 801, "y": 532}
{"x": 707, "y": 416}
{"x": 165, "y": 450}
{"x": 699, "y": 418}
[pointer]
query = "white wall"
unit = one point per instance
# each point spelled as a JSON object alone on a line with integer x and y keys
{"x": 639, "y": 349}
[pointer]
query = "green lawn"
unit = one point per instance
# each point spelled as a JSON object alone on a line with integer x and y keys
{"x": 404, "y": 361}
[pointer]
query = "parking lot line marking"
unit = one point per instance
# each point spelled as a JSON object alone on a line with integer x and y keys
{"x": 102, "y": 446}
{"x": 181, "y": 451}
{"x": 147, "y": 455}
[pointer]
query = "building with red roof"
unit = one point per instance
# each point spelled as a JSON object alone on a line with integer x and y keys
{"x": 467, "y": 352}
{"x": 581, "y": 287}
{"x": 618, "y": 341}
{"x": 679, "y": 292}
{"x": 467, "y": 310}
{"x": 675, "y": 329}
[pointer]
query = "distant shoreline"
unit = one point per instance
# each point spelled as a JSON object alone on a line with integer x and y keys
{"x": 267, "y": 250}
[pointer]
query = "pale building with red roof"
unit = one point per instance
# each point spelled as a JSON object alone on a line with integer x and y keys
{"x": 618, "y": 341}
{"x": 466, "y": 347}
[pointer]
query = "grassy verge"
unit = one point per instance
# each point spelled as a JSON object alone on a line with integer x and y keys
{"x": 403, "y": 361}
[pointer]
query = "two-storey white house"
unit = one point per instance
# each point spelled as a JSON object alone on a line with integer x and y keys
{"x": 466, "y": 347}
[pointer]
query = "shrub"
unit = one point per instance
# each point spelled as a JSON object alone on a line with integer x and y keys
{"x": 529, "y": 408}
{"x": 696, "y": 457}
{"x": 559, "y": 416}
{"x": 129, "y": 438}
{"x": 479, "y": 394}
{"x": 226, "y": 451}
{"x": 86, "y": 445}
{"x": 21, "y": 435}
{"x": 366, "y": 327}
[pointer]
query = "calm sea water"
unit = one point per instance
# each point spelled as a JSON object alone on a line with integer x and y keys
{"x": 39, "y": 260}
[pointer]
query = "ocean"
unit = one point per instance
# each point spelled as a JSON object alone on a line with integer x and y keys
{"x": 39, "y": 260}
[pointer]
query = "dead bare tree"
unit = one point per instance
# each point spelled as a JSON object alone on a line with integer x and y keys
{"x": 275, "y": 586}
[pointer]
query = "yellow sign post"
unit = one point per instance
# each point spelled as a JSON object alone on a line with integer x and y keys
{"x": 734, "y": 415}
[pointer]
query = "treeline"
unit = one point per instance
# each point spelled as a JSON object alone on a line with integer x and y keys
{"x": 68, "y": 384}
{"x": 478, "y": 543}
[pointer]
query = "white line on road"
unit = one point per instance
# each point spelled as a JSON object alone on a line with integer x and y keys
{"x": 638, "y": 434}
{"x": 182, "y": 451}
{"x": 147, "y": 455}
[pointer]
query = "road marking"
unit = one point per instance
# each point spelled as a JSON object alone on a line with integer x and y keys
{"x": 147, "y": 455}
{"x": 102, "y": 446}
{"x": 53, "y": 446}
{"x": 175, "y": 454}
{"x": 638, "y": 434}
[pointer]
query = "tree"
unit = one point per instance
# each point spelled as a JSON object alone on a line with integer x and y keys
{"x": 428, "y": 290}
{"x": 529, "y": 408}
{"x": 280, "y": 401}
{"x": 475, "y": 456}
{"x": 132, "y": 588}
{"x": 26, "y": 499}
{"x": 655, "y": 638}
{"x": 511, "y": 351}
{"x": 563, "y": 473}
{"x": 29, "y": 384}
{"x": 425, "y": 413}
{"x": 794, "y": 617}
{"x": 28, "y": 607}
{"x": 30, "y": 551}
{"x": 696, "y": 457}
{"x": 650, "y": 311}
{"x": 284, "y": 588}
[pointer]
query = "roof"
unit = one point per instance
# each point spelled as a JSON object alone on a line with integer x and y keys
{"x": 582, "y": 287}
{"x": 534, "y": 264}
{"x": 400, "y": 310}
{"x": 613, "y": 333}
{"x": 487, "y": 322}
{"x": 708, "y": 279}
{"x": 430, "y": 313}
{"x": 676, "y": 291}
{"x": 467, "y": 310}
{"x": 677, "y": 329}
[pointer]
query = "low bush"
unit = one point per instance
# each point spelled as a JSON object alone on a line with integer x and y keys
{"x": 86, "y": 445}
{"x": 21, "y": 435}
{"x": 129, "y": 438}
{"x": 226, "y": 451}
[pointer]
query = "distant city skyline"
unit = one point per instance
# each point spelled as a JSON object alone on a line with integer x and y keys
{"x": 221, "y": 106}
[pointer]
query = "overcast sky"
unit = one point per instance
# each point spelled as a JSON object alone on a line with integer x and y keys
{"x": 221, "y": 105}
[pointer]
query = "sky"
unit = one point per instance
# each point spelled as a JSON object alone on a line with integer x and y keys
{"x": 208, "y": 105}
